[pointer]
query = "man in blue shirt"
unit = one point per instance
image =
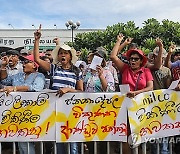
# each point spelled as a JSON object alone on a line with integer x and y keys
{"x": 28, "y": 80}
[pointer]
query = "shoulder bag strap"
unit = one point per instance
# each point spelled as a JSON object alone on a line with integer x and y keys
{"x": 136, "y": 86}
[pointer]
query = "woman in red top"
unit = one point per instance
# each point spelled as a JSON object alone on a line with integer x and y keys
{"x": 135, "y": 74}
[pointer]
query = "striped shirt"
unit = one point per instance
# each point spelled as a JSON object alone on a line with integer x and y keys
{"x": 64, "y": 78}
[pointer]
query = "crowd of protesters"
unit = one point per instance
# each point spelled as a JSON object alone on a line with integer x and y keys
{"x": 63, "y": 70}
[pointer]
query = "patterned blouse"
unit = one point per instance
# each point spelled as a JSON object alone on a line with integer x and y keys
{"x": 92, "y": 82}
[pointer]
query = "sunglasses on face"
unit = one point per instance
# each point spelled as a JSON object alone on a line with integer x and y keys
{"x": 48, "y": 54}
{"x": 134, "y": 59}
{"x": 27, "y": 61}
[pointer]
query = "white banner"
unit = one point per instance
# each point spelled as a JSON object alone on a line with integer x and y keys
{"x": 154, "y": 114}
{"x": 79, "y": 117}
{"x": 91, "y": 117}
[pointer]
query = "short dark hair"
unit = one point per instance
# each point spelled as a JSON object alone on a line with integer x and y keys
{"x": 12, "y": 52}
{"x": 3, "y": 54}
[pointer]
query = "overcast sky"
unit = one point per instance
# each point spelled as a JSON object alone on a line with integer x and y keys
{"x": 21, "y": 14}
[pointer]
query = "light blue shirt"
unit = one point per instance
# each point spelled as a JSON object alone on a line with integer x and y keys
{"x": 35, "y": 81}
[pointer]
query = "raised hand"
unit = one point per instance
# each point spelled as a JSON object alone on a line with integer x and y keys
{"x": 128, "y": 41}
{"x": 172, "y": 48}
{"x": 99, "y": 70}
{"x": 120, "y": 37}
{"x": 56, "y": 40}
{"x": 37, "y": 33}
{"x": 159, "y": 42}
{"x": 5, "y": 61}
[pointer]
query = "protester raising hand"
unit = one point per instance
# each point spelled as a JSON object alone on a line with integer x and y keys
{"x": 168, "y": 63}
{"x": 43, "y": 64}
{"x": 120, "y": 37}
{"x": 135, "y": 74}
{"x": 128, "y": 41}
{"x": 37, "y": 33}
{"x": 5, "y": 61}
{"x": 56, "y": 40}
{"x": 172, "y": 48}
{"x": 159, "y": 42}
{"x": 66, "y": 76}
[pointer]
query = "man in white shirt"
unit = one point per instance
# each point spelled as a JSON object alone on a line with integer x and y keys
{"x": 14, "y": 66}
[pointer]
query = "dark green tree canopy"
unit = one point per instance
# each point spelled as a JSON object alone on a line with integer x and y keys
{"x": 145, "y": 36}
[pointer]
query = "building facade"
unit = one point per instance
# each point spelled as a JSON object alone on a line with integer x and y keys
{"x": 24, "y": 38}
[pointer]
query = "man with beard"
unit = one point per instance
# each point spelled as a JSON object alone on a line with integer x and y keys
{"x": 28, "y": 80}
{"x": 14, "y": 66}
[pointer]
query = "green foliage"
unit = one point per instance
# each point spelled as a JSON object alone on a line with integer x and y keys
{"x": 168, "y": 31}
{"x": 149, "y": 43}
{"x": 84, "y": 53}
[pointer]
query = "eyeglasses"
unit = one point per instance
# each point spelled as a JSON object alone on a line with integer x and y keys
{"x": 133, "y": 59}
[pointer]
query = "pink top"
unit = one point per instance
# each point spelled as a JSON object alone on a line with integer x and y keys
{"x": 129, "y": 77}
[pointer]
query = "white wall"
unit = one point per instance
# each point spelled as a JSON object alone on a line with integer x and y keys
{"x": 15, "y": 38}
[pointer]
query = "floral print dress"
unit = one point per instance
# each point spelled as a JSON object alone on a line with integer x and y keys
{"x": 92, "y": 82}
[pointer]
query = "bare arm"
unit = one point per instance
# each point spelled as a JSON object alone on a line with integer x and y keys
{"x": 158, "y": 61}
{"x": 65, "y": 90}
{"x": 79, "y": 85}
{"x": 43, "y": 64}
{"x": 149, "y": 87}
{"x": 3, "y": 73}
{"x": 9, "y": 89}
{"x": 167, "y": 60}
{"x": 116, "y": 49}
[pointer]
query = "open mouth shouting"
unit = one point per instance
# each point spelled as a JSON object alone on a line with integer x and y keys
{"x": 63, "y": 60}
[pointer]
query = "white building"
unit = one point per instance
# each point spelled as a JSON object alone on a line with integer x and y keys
{"x": 24, "y": 38}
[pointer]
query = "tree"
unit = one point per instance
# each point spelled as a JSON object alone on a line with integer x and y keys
{"x": 168, "y": 31}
